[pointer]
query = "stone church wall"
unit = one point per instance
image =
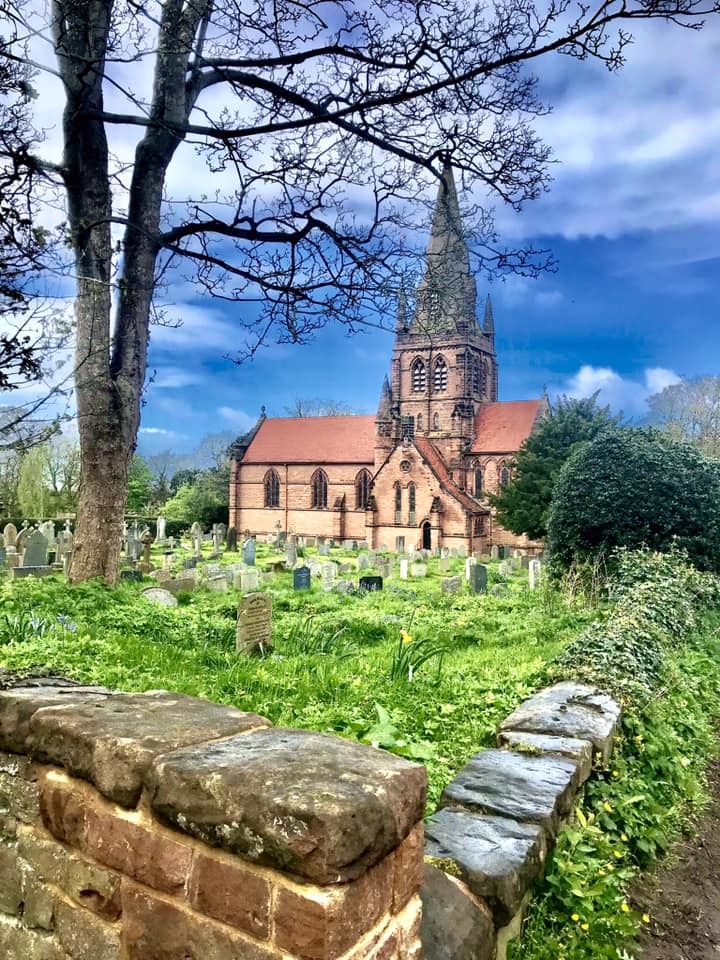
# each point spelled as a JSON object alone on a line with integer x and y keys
{"x": 159, "y": 827}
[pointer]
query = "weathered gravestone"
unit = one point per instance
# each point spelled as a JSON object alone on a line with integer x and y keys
{"x": 363, "y": 562}
{"x": 534, "y": 574}
{"x": 329, "y": 572}
{"x": 290, "y": 554}
{"x": 444, "y": 564}
{"x": 248, "y": 553}
{"x": 249, "y": 580}
{"x": 160, "y": 528}
{"x": 371, "y": 584}
{"x": 478, "y": 578}
{"x": 160, "y": 596}
{"x": 10, "y": 535}
{"x": 36, "y": 550}
{"x": 469, "y": 563}
{"x": 232, "y": 540}
{"x": 399, "y": 544}
{"x": 451, "y": 584}
{"x": 386, "y": 567}
{"x": 494, "y": 552}
{"x": 346, "y": 568}
{"x": 323, "y": 550}
{"x": 504, "y": 568}
{"x": 217, "y": 583}
{"x": 301, "y": 578}
{"x": 254, "y": 626}
{"x": 418, "y": 570}
{"x": 404, "y": 564}
{"x": 190, "y": 563}
{"x": 525, "y": 562}
{"x": 131, "y": 576}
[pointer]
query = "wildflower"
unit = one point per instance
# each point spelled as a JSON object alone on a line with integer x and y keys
{"x": 646, "y": 918}
{"x": 601, "y": 872}
{"x": 405, "y": 636}
{"x": 625, "y": 908}
{"x": 617, "y": 854}
{"x": 607, "y": 807}
{"x": 615, "y": 773}
{"x": 584, "y": 926}
{"x": 575, "y": 917}
{"x": 623, "y": 837}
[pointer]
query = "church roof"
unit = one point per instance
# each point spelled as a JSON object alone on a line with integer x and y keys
{"x": 502, "y": 427}
{"x": 346, "y": 439}
{"x": 436, "y": 463}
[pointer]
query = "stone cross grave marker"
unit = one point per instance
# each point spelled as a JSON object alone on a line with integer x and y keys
{"x": 158, "y": 595}
{"x": 451, "y": 584}
{"x": 301, "y": 578}
{"x": 248, "y": 553}
{"x": 254, "y": 626}
{"x": 371, "y": 584}
{"x": 36, "y": 550}
{"x": 478, "y": 578}
{"x": 534, "y": 574}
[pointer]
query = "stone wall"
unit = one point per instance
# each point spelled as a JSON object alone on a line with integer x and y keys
{"x": 499, "y": 817}
{"x": 161, "y": 827}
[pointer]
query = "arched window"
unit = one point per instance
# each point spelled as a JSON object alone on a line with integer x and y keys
{"x": 504, "y": 477}
{"x": 398, "y": 503}
{"x": 411, "y": 503}
{"x": 478, "y": 481}
{"x": 476, "y": 376}
{"x": 362, "y": 490}
{"x": 436, "y": 421}
{"x": 318, "y": 484}
{"x": 440, "y": 376}
{"x": 272, "y": 489}
{"x": 419, "y": 423}
{"x": 486, "y": 378}
{"x": 419, "y": 377}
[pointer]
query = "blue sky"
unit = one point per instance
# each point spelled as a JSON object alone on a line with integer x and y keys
{"x": 633, "y": 219}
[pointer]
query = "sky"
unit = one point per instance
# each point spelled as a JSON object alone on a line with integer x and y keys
{"x": 632, "y": 218}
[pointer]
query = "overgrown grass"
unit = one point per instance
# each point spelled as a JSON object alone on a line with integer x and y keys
{"x": 339, "y": 664}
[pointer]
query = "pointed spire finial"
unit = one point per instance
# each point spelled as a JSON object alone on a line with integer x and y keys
{"x": 384, "y": 411}
{"x": 489, "y": 322}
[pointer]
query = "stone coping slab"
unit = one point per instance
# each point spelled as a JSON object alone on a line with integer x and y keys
{"x": 568, "y": 709}
{"x": 455, "y": 924}
{"x": 498, "y": 858}
{"x": 322, "y": 808}
{"x": 581, "y": 751}
{"x": 110, "y": 739}
{"x": 531, "y": 789}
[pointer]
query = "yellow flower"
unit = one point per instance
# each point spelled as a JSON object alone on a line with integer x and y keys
{"x": 584, "y": 926}
{"x": 575, "y": 917}
{"x": 623, "y": 837}
{"x": 405, "y": 637}
{"x": 615, "y": 773}
{"x": 618, "y": 854}
{"x": 646, "y": 918}
{"x": 601, "y": 872}
{"x": 625, "y": 908}
{"x": 607, "y": 807}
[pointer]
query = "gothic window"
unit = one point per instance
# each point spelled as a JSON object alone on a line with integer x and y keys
{"x": 477, "y": 526}
{"x": 272, "y": 489}
{"x": 411, "y": 503}
{"x": 476, "y": 376}
{"x": 440, "y": 376}
{"x": 504, "y": 477}
{"x": 486, "y": 378}
{"x": 419, "y": 377}
{"x": 318, "y": 486}
{"x": 419, "y": 422}
{"x": 398, "y": 503}
{"x": 362, "y": 490}
{"x": 478, "y": 481}
{"x": 436, "y": 422}
{"x": 407, "y": 426}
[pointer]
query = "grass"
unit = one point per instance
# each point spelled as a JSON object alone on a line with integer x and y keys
{"x": 339, "y": 664}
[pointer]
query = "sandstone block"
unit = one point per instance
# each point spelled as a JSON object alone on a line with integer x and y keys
{"x": 569, "y": 710}
{"x": 495, "y": 857}
{"x": 581, "y": 751}
{"x": 112, "y": 741}
{"x": 38, "y": 900}
{"x": 323, "y": 808}
{"x": 408, "y": 868}
{"x": 19, "y": 704}
{"x": 226, "y": 889}
{"x": 158, "y": 929}
{"x": 456, "y": 925}
{"x": 83, "y": 935}
{"x": 10, "y": 883}
{"x": 47, "y": 858}
{"x": 19, "y": 797}
{"x": 17, "y": 943}
{"x": 527, "y": 788}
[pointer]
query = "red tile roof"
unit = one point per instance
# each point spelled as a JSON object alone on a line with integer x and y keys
{"x": 314, "y": 440}
{"x": 502, "y": 427}
{"x": 436, "y": 463}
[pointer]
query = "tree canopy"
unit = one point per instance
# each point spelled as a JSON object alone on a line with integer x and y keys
{"x": 523, "y": 505}
{"x": 634, "y": 488}
{"x": 689, "y": 410}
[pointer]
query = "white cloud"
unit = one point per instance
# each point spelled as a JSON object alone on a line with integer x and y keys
{"x": 175, "y": 377}
{"x": 620, "y": 393}
{"x": 237, "y": 419}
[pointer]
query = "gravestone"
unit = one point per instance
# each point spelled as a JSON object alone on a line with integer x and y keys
{"x": 196, "y": 530}
{"x": 232, "y": 540}
{"x": 160, "y": 528}
{"x": 290, "y": 555}
{"x": 371, "y": 584}
{"x": 478, "y": 578}
{"x": 217, "y": 583}
{"x": 404, "y": 564}
{"x": 131, "y": 576}
{"x": 454, "y": 552}
{"x": 461, "y": 551}
{"x": 363, "y": 545}
{"x": 399, "y": 544}
{"x": 346, "y": 568}
{"x": 444, "y": 564}
{"x": 167, "y": 560}
{"x": 363, "y": 562}
{"x": 386, "y": 567}
{"x": 323, "y": 550}
{"x": 10, "y": 535}
{"x": 301, "y": 578}
{"x": 248, "y": 553}
{"x": 525, "y": 562}
{"x": 451, "y": 584}
{"x": 444, "y": 553}
{"x": 249, "y": 580}
{"x": 343, "y": 586}
{"x": 502, "y": 553}
{"x": 418, "y": 570}
{"x": 190, "y": 563}
{"x": 534, "y": 574}
{"x": 160, "y": 596}
{"x": 213, "y": 569}
{"x": 494, "y": 552}
{"x": 500, "y": 590}
{"x": 504, "y": 568}
{"x": 254, "y": 625}
{"x": 469, "y": 564}
{"x": 328, "y": 576}
{"x": 315, "y": 567}
{"x": 47, "y": 529}
{"x": 36, "y": 550}
{"x": 22, "y": 538}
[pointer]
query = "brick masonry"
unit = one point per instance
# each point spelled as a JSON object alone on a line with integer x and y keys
{"x": 83, "y": 877}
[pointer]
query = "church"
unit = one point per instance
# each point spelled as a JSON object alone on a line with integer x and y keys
{"x": 417, "y": 473}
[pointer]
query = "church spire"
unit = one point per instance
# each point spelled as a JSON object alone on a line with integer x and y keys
{"x": 489, "y": 322}
{"x": 384, "y": 411}
{"x": 447, "y": 295}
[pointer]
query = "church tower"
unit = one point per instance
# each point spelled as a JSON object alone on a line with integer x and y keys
{"x": 443, "y": 365}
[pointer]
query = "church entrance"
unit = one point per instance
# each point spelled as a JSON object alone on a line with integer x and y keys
{"x": 426, "y": 535}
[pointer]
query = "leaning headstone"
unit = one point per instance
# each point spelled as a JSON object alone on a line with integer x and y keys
{"x": 10, "y": 535}
{"x": 534, "y": 574}
{"x": 418, "y": 570}
{"x": 301, "y": 578}
{"x": 232, "y": 540}
{"x": 36, "y": 550}
{"x": 404, "y": 564}
{"x": 160, "y": 596}
{"x": 248, "y": 553}
{"x": 371, "y": 584}
{"x": 451, "y": 584}
{"x": 249, "y": 580}
{"x": 478, "y": 578}
{"x": 254, "y": 625}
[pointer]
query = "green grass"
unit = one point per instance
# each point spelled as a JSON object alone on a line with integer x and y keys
{"x": 339, "y": 663}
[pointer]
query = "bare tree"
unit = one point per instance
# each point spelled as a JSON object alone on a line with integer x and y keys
{"x": 317, "y": 408}
{"x": 689, "y": 410}
{"x": 319, "y": 123}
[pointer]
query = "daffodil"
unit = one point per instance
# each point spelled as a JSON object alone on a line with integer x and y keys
{"x": 405, "y": 636}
